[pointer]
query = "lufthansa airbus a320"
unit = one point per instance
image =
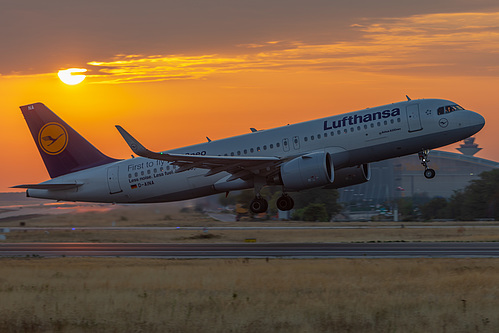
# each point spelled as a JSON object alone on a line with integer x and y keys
{"x": 331, "y": 152}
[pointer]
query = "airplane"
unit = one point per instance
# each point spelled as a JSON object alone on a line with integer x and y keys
{"x": 331, "y": 152}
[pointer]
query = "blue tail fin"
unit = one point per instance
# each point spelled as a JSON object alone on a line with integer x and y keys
{"x": 63, "y": 150}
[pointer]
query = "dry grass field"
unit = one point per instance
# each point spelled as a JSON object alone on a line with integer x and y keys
{"x": 336, "y": 295}
{"x": 167, "y": 215}
{"x": 458, "y": 234}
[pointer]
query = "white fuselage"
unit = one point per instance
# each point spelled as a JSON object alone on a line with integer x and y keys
{"x": 354, "y": 138}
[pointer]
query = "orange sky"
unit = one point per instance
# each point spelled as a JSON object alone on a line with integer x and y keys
{"x": 230, "y": 68}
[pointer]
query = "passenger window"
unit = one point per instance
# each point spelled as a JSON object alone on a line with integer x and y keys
{"x": 271, "y": 146}
{"x": 265, "y": 147}
{"x": 252, "y": 150}
{"x": 245, "y": 151}
{"x": 332, "y": 133}
{"x": 278, "y": 145}
{"x": 325, "y": 135}
{"x": 318, "y": 136}
{"x": 305, "y": 139}
{"x": 311, "y": 137}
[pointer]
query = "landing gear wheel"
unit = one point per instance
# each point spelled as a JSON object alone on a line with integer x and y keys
{"x": 285, "y": 203}
{"x": 423, "y": 156}
{"x": 429, "y": 173}
{"x": 259, "y": 205}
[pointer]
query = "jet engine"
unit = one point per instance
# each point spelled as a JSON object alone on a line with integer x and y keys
{"x": 351, "y": 176}
{"x": 307, "y": 171}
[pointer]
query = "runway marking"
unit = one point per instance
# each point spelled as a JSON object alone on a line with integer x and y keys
{"x": 259, "y": 250}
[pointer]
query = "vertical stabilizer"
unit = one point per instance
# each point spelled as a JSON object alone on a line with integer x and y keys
{"x": 63, "y": 150}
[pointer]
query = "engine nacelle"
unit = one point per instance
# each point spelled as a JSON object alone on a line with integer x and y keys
{"x": 351, "y": 176}
{"x": 307, "y": 171}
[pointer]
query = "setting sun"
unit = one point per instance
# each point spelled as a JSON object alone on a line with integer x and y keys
{"x": 67, "y": 75}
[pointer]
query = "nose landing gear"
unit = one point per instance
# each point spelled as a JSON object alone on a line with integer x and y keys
{"x": 423, "y": 156}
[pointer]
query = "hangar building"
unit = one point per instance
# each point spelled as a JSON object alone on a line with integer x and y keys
{"x": 403, "y": 176}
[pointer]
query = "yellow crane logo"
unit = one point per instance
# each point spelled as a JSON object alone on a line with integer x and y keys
{"x": 53, "y": 138}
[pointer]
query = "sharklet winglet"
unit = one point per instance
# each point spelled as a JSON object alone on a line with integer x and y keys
{"x": 134, "y": 145}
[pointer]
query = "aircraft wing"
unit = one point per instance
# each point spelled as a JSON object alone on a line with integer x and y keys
{"x": 239, "y": 167}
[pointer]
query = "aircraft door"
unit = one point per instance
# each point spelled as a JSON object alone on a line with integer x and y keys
{"x": 296, "y": 142}
{"x": 285, "y": 144}
{"x": 113, "y": 180}
{"x": 413, "y": 118}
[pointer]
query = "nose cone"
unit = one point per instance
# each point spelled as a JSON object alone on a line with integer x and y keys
{"x": 475, "y": 121}
{"x": 471, "y": 123}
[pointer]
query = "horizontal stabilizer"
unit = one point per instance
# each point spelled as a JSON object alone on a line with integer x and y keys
{"x": 50, "y": 187}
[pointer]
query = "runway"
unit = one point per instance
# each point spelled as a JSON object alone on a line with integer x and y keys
{"x": 257, "y": 227}
{"x": 254, "y": 250}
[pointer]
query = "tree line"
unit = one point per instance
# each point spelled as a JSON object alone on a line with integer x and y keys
{"x": 479, "y": 200}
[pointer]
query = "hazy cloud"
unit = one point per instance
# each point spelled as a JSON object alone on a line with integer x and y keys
{"x": 432, "y": 42}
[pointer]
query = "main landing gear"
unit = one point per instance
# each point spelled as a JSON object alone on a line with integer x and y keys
{"x": 285, "y": 202}
{"x": 260, "y": 205}
{"x": 423, "y": 156}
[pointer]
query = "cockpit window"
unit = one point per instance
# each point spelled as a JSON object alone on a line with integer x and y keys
{"x": 449, "y": 109}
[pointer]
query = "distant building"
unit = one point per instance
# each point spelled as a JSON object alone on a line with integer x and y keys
{"x": 403, "y": 176}
{"x": 469, "y": 148}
